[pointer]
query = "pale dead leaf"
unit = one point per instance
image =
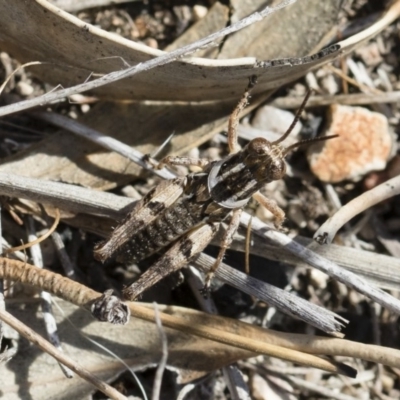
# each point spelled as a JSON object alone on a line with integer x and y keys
{"x": 67, "y": 158}
{"x": 295, "y": 31}
{"x": 76, "y": 50}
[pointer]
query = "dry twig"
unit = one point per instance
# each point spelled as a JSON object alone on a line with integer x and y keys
{"x": 84, "y": 297}
{"x": 384, "y": 191}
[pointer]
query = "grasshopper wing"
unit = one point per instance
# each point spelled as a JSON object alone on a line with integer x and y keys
{"x": 144, "y": 212}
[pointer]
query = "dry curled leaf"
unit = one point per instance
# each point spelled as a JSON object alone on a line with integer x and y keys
{"x": 74, "y": 50}
{"x": 67, "y": 158}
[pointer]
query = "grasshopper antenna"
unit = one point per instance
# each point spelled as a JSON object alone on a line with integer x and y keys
{"x": 296, "y": 119}
{"x": 162, "y": 146}
{"x": 307, "y": 141}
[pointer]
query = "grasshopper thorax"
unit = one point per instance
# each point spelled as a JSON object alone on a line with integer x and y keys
{"x": 233, "y": 180}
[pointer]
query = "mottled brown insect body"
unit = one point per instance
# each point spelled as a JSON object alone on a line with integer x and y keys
{"x": 193, "y": 208}
{"x": 178, "y": 218}
{"x": 238, "y": 178}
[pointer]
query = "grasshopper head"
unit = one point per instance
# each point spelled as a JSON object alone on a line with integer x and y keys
{"x": 265, "y": 159}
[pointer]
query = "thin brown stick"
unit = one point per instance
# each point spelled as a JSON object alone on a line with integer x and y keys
{"x": 38, "y": 240}
{"x": 82, "y": 296}
{"x": 361, "y": 86}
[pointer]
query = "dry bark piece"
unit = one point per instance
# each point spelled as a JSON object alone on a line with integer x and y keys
{"x": 364, "y": 145}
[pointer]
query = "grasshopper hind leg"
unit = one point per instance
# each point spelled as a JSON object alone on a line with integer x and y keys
{"x": 181, "y": 252}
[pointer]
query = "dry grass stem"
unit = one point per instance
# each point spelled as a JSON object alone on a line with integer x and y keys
{"x": 3, "y": 85}
{"x": 344, "y": 99}
{"x": 284, "y": 301}
{"x": 63, "y": 256}
{"x": 384, "y": 191}
{"x": 82, "y": 296}
{"x": 330, "y": 268}
{"x": 236, "y": 383}
{"x": 37, "y": 240}
{"x": 379, "y": 269}
{"x": 47, "y": 310}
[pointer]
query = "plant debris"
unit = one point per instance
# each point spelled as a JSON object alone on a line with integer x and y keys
{"x": 85, "y": 157}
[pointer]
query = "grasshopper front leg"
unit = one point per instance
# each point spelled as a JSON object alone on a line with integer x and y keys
{"x": 234, "y": 118}
{"x": 186, "y": 247}
{"x": 270, "y": 205}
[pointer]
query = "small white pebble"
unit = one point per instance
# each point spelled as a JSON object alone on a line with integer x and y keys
{"x": 199, "y": 12}
{"x": 274, "y": 119}
{"x": 85, "y": 108}
{"x": 72, "y": 114}
{"x": 330, "y": 84}
{"x": 24, "y": 89}
{"x": 318, "y": 278}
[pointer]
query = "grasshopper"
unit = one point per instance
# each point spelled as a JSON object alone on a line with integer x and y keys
{"x": 179, "y": 217}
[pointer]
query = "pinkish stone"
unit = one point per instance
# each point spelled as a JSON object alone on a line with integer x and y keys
{"x": 364, "y": 145}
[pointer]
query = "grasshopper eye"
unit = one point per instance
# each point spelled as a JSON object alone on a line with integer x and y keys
{"x": 259, "y": 146}
{"x": 276, "y": 169}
